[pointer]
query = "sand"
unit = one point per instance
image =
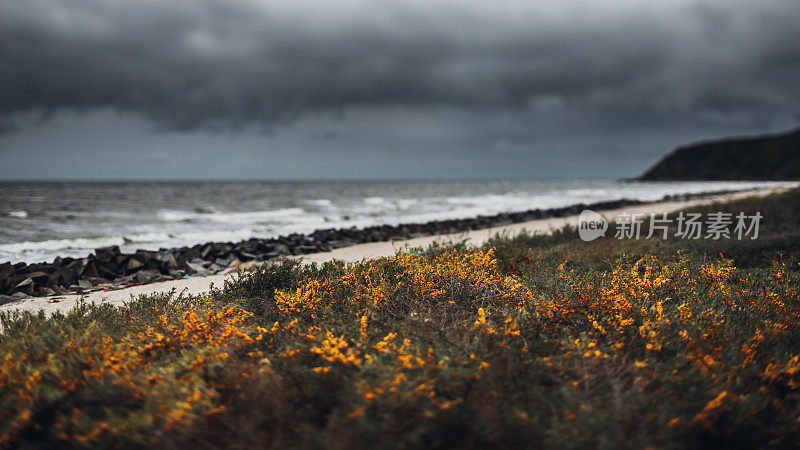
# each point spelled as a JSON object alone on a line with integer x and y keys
{"x": 199, "y": 285}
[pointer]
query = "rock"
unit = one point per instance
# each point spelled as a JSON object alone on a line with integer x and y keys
{"x": 133, "y": 265}
{"x": 222, "y": 262}
{"x": 281, "y": 249}
{"x": 197, "y": 269}
{"x": 148, "y": 259}
{"x": 166, "y": 261}
{"x": 6, "y": 270}
{"x": 38, "y": 277}
{"x": 59, "y": 276}
{"x": 105, "y": 272}
{"x": 205, "y": 253}
{"x": 306, "y": 249}
{"x": 202, "y": 262}
{"x": 45, "y": 292}
{"x": 4, "y": 299}
{"x": 121, "y": 281}
{"x": 146, "y": 276}
{"x": 107, "y": 254}
{"x": 145, "y": 255}
{"x": 25, "y": 286}
{"x": 245, "y": 256}
{"x": 77, "y": 266}
{"x": 20, "y": 295}
{"x": 84, "y": 284}
{"x": 191, "y": 253}
{"x": 90, "y": 271}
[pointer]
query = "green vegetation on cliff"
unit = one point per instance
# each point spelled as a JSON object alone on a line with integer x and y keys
{"x": 769, "y": 157}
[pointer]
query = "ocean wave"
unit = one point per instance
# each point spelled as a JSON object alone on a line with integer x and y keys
{"x": 320, "y": 202}
{"x": 61, "y": 244}
{"x": 36, "y": 251}
{"x": 229, "y": 217}
{"x": 136, "y": 228}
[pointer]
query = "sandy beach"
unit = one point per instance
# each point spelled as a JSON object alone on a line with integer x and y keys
{"x": 201, "y": 284}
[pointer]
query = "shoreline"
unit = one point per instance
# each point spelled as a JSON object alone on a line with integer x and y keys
{"x": 194, "y": 285}
{"x": 110, "y": 268}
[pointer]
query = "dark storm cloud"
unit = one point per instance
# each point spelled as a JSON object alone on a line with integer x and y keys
{"x": 219, "y": 64}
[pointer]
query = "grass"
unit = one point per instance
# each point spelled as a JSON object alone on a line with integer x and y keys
{"x": 527, "y": 341}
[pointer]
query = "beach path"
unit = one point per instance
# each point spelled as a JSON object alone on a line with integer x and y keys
{"x": 199, "y": 285}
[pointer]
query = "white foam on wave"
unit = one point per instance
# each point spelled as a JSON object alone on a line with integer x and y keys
{"x": 60, "y": 244}
{"x": 37, "y": 251}
{"x": 18, "y": 214}
{"x": 229, "y": 217}
{"x": 378, "y": 201}
{"x": 324, "y": 202}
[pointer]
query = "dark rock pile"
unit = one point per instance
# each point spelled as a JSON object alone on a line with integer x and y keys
{"x": 109, "y": 266}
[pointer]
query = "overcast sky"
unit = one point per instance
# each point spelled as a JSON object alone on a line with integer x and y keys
{"x": 384, "y": 88}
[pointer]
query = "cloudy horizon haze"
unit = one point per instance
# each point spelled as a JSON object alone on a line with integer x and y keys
{"x": 247, "y": 89}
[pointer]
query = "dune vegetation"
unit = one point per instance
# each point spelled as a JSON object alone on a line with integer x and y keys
{"x": 528, "y": 341}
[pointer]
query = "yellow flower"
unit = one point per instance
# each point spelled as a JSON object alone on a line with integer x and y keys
{"x": 481, "y": 318}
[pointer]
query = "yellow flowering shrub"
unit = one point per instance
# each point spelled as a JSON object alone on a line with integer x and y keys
{"x": 536, "y": 344}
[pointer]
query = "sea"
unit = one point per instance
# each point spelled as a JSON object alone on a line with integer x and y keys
{"x": 40, "y": 221}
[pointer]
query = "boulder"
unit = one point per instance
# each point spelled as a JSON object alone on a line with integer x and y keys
{"x": 106, "y": 272}
{"x": 281, "y": 249}
{"x": 133, "y": 265}
{"x": 47, "y": 268}
{"x": 77, "y": 266}
{"x": 27, "y": 282}
{"x": 25, "y": 286}
{"x": 60, "y": 276}
{"x": 206, "y": 251}
{"x": 45, "y": 291}
{"x": 146, "y": 276}
{"x": 121, "y": 281}
{"x": 20, "y": 268}
{"x": 197, "y": 269}
{"x": 6, "y": 270}
{"x": 7, "y": 299}
{"x": 246, "y": 256}
{"x": 90, "y": 271}
{"x": 39, "y": 277}
{"x": 107, "y": 254}
{"x": 222, "y": 262}
{"x": 166, "y": 262}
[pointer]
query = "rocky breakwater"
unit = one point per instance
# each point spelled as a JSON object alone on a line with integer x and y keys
{"x": 109, "y": 267}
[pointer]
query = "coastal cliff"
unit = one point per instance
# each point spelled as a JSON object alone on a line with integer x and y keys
{"x": 766, "y": 157}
